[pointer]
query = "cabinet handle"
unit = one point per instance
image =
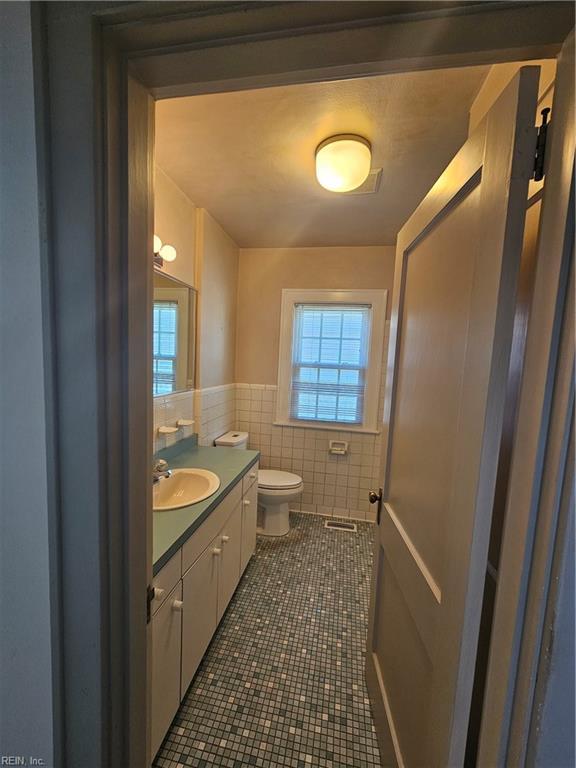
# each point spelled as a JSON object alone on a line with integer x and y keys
{"x": 216, "y": 552}
{"x": 225, "y": 539}
{"x": 253, "y": 475}
{"x": 177, "y": 605}
{"x": 246, "y": 502}
{"x": 158, "y": 592}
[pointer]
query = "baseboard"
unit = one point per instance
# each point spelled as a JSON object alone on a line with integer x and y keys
{"x": 339, "y": 517}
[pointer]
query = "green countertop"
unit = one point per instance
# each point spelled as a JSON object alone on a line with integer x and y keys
{"x": 173, "y": 527}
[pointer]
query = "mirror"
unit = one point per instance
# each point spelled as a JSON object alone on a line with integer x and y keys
{"x": 174, "y": 335}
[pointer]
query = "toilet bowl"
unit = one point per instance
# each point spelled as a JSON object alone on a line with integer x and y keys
{"x": 276, "y": 489}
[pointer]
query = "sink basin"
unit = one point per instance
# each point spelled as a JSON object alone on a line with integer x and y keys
{"x": 183, "y": 487}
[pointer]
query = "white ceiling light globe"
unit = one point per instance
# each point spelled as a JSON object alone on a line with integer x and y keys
{"x": 168, "y": 252}
{"x": 157, "y": 244}
{"x": 343, "y": 162}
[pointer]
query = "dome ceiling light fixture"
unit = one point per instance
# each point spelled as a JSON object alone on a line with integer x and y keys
{"x": 343, "y": 162}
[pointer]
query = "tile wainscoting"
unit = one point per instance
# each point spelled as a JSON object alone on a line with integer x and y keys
{"x": 333, "y": 485}
{"x": 215, "y": 409}
{"x": 167, "y": 410}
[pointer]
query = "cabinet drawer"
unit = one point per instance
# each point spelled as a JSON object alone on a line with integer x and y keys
{"x": 210, "y": 528}
{"x": 166, "y": 580}
{"x": 166, "y": 648}
{"x": 249, "y": 478}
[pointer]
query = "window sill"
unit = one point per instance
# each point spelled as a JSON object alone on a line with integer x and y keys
{"x": 324, "y": 426}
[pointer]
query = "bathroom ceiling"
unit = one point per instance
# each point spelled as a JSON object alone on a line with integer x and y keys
{"x": 248, "y": 156}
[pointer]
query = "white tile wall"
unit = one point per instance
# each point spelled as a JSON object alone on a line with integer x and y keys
{"x": 167, "y": 410}
{"x": 333, "y": 485}
{"x": 215, "y": 408}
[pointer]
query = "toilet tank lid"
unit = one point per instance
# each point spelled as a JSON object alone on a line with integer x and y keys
{"x": 232, "y": 438}
{"x": 277, "y": 479}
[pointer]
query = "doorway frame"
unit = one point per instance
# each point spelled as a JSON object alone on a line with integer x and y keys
{"x": 100, "y": 229}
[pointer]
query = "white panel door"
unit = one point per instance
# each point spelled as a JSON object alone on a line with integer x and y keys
{"x": 451, "y": 329}
{"x": 511, "y": 708}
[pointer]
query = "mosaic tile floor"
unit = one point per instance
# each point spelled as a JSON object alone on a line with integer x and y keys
{"x": 282, "y": 683}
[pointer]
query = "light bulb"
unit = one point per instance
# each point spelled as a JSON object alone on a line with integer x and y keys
{"x": 168, "y": 252}
{"x": 343, "y": 162}
{"x": 157, "y": 244}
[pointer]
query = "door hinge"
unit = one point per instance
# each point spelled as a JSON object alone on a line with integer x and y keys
{"x": 149, "y": 598}
{"x": 541, "y": 146}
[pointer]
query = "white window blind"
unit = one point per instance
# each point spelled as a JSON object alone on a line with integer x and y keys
{"x": 164, "y": 347}
{"x": 330, "y": 350}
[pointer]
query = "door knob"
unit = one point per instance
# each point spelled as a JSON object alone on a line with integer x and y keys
{"x": 225, "y": 539}
{"x": 246, "y": 502}
{"x": 375, "y": 497}
{"x": 158, "y": 592}
{"x": 216, "y": 552}
{"x": 253, "y": 475}
{"x": 177, "y": 605}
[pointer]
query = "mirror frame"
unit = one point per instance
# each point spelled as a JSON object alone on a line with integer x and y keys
{"x": 193, "y": 312}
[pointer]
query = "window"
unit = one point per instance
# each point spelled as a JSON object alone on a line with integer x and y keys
{"x": 330, "y": 358}
{"x": 164, "y": 347}
{"x": 329, "y": 361}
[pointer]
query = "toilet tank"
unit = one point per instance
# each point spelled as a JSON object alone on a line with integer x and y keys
{"x": 233, "y": 440}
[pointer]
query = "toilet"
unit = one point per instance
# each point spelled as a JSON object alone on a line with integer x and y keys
{"x": 276, "y": 489}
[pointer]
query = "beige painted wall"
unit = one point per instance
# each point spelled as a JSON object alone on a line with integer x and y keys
{"x": 217, "y": 280}
{"x": 264, "y": 272}
{"x": 175, "y": 223}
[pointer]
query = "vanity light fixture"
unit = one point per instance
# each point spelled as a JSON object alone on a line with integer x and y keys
{"x": 162, "y": 252}
{"x": 343, "y": 162}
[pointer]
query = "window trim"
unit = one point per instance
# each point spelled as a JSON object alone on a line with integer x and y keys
{"x": 378, "y": 300}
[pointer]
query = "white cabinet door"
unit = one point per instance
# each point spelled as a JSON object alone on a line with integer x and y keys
{"x": 249, "y": 514}
{"x": 200, "y": 616}
{"x": 166, "y": 644}
{"x": 231, "y": 541}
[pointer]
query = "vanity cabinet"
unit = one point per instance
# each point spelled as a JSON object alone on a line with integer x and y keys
{"x": 166, "y": 645}
{"x": 192, "y": 592}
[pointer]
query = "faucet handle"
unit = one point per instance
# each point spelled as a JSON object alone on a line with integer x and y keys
{"x": 160, "y": 465}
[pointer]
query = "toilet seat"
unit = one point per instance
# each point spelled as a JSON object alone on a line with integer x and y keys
{"x": 275, "y": 479}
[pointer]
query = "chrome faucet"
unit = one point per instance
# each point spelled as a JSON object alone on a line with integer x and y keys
{"x": 160, "y": 470}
